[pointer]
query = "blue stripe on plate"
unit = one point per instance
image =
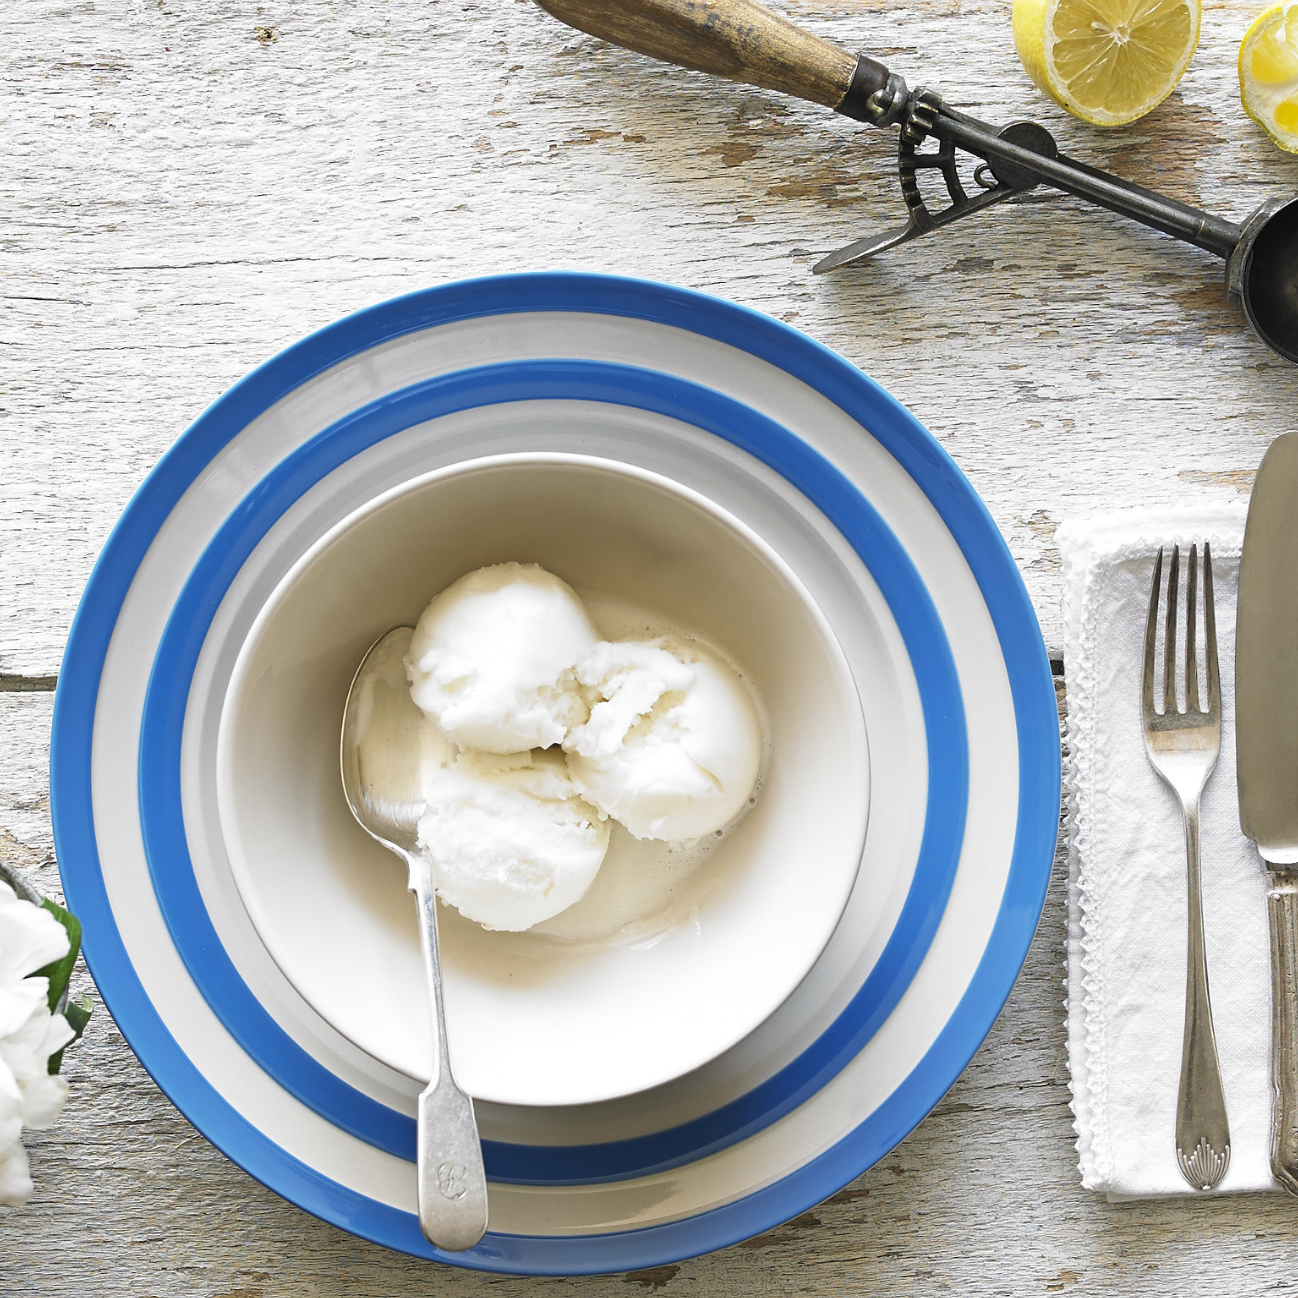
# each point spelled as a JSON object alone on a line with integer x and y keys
{"x": 921, "y": 629}
{"x": 968, "y": 521}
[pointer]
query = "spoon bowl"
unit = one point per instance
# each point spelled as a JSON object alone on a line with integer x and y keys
{"x": 386, "y": 740}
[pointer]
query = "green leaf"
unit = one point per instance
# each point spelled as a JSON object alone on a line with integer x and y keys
{"x": 59, "y": 971}
{"x": 77, "y": 1013}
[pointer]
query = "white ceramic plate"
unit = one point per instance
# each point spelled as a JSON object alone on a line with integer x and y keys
{"x": 535, "y": 1019}
{"x": 919, "y": 589}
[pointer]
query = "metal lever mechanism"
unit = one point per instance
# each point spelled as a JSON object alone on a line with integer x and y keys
{"x": 1015, "y": 158}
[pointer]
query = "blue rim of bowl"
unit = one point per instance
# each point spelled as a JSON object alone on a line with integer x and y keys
{"x": 1023, "y": 653}
{"x": 162, "y": 817}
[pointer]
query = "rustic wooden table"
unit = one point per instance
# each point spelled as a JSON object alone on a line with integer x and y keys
{"x": 190, "y": 185}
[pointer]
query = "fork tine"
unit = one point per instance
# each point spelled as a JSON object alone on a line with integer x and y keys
{"x": 1191, "y": 617}
{"x": 1151, "y": 634}
{"x": 1169, "y": 642}
{"x": 1210, "y": 627}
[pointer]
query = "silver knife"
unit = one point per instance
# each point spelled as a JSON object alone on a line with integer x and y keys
{"x": 1266, "y": 751}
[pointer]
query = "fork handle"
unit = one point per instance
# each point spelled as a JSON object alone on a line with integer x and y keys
{"x": 1202, "y": 1132}
{"x": 1282, "y": 911}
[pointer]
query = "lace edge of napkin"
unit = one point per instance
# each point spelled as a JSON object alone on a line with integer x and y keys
{"x": 1085, "y": 1042}
{"x": 1088, "y": 548}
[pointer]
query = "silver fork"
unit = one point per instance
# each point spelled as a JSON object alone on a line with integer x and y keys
{"x": 1182, "y": 748}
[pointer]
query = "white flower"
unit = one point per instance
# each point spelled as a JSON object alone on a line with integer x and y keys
{"x": 30, "y": 938}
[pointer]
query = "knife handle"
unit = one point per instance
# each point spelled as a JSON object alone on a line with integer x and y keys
{"x": 1282, "y": 911}
{"x": 738, "y": 39}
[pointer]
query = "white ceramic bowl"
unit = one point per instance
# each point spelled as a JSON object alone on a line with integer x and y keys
{"x": 536, "y": 1020}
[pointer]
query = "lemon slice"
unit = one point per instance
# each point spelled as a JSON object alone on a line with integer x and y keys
{"x": 1106, "y": 61}
{"x": 1268, "y": 74}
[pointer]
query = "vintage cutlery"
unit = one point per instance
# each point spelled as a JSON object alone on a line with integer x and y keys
{"x": 1266, "y": 749}
{"x": 742, "y": 40}
{"x": 384, "y": 737}
{"x": 1183, "y": 748}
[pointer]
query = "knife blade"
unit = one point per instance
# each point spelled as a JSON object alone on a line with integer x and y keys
{"x": 1266, "y": 753}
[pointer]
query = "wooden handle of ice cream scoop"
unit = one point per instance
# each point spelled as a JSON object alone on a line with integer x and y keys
{"x": 739, "y": 39}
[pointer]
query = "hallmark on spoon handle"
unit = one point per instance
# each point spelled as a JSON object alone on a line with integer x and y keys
{"x": 452, "y": 1183}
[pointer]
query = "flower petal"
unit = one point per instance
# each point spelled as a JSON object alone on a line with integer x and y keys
{"x": 30, "y": 937}
{"x": 57, "y": 1035}
{"x": 19, "y": 1001}
{"x": 43, "y": 1099}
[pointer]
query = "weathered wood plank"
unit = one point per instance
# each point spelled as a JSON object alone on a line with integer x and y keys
{"x": 190, "y": 186}
{"x": 983, "y": 1197}
{"x": 186, "y": 196}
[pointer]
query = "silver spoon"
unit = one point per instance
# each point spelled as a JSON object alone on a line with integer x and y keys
{"x": 385, "y": 740}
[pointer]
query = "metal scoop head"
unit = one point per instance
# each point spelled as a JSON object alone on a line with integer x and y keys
{"x": 1262, "y": 275}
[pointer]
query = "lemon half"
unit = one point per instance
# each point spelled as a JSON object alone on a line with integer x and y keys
{"x": 1106, "y": 61}
{"x": 1268, "y": 74}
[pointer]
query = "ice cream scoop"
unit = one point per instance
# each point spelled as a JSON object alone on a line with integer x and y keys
{"x": 510, "y": 840}
{"x": 672, "y": 745}
{"x": 492, "y": 657}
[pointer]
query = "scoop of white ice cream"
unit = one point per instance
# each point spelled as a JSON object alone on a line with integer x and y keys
{"x": 672, "y": 746}
{"x": 510, "y": 841}
{"x": 492, "y": 657}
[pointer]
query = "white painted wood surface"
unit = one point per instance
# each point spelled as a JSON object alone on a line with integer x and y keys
{"x": 187, "y": 186}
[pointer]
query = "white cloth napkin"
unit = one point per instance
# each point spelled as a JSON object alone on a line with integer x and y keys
{"x": 1127, "y": 876}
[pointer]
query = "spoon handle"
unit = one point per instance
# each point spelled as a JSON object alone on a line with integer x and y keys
{"x": 452, "y": 1182}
